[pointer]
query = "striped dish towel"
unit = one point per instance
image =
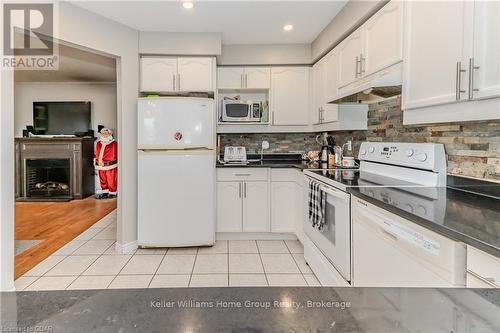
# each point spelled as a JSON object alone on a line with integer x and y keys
{"x": 317, "y": 203}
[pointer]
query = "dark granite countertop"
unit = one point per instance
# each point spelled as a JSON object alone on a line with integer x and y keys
{"x": 471, "y": 218}
{"x": 274, "y": 161}
{"x": 253, "y": 310}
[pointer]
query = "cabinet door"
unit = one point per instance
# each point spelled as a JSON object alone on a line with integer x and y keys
{"x": 383, "y": 38}
{"x": 318, "y": 90}
{"x": 195, "y": 74}
{"x": 257, "y": 77}
{"x": 290, "y": 95}
{"x": 255, "y": 207}
{"x": 284, "y": 206}
{"x": 230, "y": 77}
{"x": 349, "y": 53}
{"x": 229, "y": 206}
{"x": 158, "y": 74}
{"x": 434, "y": 42}
{"x": 486, "y": 78}
{"x": 322, "y": 111}
{"x": 332, "y": 75}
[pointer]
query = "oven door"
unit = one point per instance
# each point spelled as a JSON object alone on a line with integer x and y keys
{"x": 334, "y": 239}
{"x": 236, "y": 111}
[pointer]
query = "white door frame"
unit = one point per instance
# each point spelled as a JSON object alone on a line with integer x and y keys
{"x": 7, "y": 168}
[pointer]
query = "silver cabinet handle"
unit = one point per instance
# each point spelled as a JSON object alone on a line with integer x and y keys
{"x": 242, "y": 174}
{"x": 357, "y": 62}
{"x": 361, "y": 68}
{"x": 472, "y": 68}
{"x": 245, "y": 190}
{"x": 241, "y": 80}
{"x": 178, "y": 82}
{"x": 173, "y": 82}
{"x": 246, "y": 80}
{"x": 239, "y": 189}
{"x": 458, "y": 80}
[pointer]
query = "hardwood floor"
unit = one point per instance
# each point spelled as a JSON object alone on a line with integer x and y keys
{"x": 56, "y": 223}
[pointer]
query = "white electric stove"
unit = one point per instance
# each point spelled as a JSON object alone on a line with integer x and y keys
{"x": 407, "y": 174}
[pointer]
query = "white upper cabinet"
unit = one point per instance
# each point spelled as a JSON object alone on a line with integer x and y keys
{"x": 172, "y": 74}
{"x": 195, "y": 74}
{"x": 434, "y": 64}
{"x": 350, "y": 51}
{"x": 158, "y": 74}
{"x": 290, "y": 95}
{"x": 318, "y": 90}
{"x": 383, "y": 38}
{"x": 332, "y": 75}
{"x": 486, "y": 60}
{"x": 230, "y": 77}
{"x": 257, "y": 77}
{"x": 322, "y": 111}
{"x": 244, "y": 77}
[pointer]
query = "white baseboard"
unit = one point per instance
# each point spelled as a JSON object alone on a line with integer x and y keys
{"x": 126, "y": 248}
{"x": 254, "y": 236}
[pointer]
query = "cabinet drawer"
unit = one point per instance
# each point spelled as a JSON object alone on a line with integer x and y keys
{"x": 483, "y": 265}
{"x": 236, "y": 174}
{"x": 284, "y": 175}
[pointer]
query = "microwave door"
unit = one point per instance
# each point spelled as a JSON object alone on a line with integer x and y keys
{"x": 236, "y": 112}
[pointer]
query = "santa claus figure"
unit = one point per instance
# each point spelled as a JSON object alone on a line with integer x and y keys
{"x": 106, "y": 163}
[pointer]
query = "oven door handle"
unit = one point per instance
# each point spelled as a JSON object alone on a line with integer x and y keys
{"x": 338, "y": 194}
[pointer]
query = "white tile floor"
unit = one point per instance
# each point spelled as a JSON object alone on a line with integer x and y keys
{"x": 90, "y": 262}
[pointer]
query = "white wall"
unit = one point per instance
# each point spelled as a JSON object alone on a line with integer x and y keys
{"x": 180, "y": 43}
{"x": 354, "y": 13}
{"x": 102, "y": 97}
{"x": 264, "y": 54}
{"x": 6, "y": 180}
{"x": 81, "y": 27}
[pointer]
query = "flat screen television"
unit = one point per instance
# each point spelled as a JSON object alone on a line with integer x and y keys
{"x": 69, "y": 118}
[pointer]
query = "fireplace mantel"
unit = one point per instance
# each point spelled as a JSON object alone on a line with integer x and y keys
{"x": 79, "y": 152}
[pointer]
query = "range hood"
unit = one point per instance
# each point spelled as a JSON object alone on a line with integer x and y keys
{"x": 375, "y": 88}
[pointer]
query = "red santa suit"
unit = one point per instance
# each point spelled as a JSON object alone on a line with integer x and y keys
{"x": 106, "y": 162}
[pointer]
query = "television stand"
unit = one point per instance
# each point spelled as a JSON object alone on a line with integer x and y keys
{"x": 51, "y": 136}
{"x": 54, "y": 168}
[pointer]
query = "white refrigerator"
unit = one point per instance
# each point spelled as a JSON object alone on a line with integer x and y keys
{"x": 176, "y": 171}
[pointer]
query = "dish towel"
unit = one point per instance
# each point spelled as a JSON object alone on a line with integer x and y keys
{"x": 317, "y": 203}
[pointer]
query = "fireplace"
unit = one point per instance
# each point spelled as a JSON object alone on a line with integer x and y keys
{"x": 54, "y": 169}
{"x": 48, "y": 178}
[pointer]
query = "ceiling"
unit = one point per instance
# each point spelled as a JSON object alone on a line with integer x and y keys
{"x": 74, "y": 66}
{"x": 239, "y": 22}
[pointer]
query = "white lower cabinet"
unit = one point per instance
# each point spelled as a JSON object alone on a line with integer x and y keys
{"x": 242, "y": 200}
{"x": 283, "y": 200}
{"x": 229, "y": 207}
{"x": 255, "y": 207}
{"x": 260, "y": 200}
{"x": 287, "y": 201}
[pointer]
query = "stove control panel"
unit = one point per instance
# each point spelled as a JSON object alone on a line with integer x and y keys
{"x": 426, "y": 156}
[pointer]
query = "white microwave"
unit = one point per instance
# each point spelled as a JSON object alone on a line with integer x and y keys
{"x": 241, "y": 111}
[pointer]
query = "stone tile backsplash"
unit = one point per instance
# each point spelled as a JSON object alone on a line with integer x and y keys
{"x": 473, "y": 148}
{"x": 279, "y": 143}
